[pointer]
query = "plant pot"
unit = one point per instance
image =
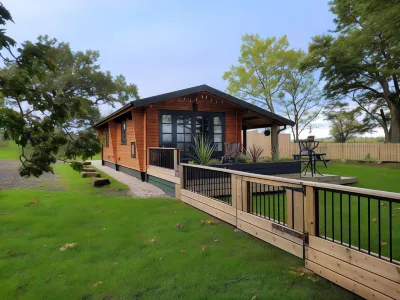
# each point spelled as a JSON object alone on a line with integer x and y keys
{"x": 310, "y": 138}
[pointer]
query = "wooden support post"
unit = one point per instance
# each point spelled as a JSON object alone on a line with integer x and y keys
{"x": 310, "y": 221}
{"x": 274, "y": 141}
{"x": 244, "y": 142}
{"x": 295, "y": 219}
{"x": 234, "y": 191}
{"x": 181, "y": 176}
{"x": 245, "y": 192}
{"x": 176, "y": 159}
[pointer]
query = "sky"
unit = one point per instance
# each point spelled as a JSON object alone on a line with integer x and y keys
{"x": 163, "y": 46}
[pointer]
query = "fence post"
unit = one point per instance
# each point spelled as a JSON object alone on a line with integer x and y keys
{"x": 176, "y": 159}
{"x": 294, "y": 210}
{"x": 234, "y": 191}
{"x": 244, "y": 195}
{"x": 310, "y": 214}
{"x": 182, "y": 176}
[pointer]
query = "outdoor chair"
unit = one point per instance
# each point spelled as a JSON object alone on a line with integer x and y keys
{"x": 232, "y": 151}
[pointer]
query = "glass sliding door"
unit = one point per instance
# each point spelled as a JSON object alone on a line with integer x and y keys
{"x": 177, "y": 129}
{"x": 183, "y": 133}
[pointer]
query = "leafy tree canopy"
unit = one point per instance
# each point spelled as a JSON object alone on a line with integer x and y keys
{"x": 269, "y": 75}
{"x": 361, "y": 59}
{"x": 51, "y": 97}
{"x": 344, "y": 121}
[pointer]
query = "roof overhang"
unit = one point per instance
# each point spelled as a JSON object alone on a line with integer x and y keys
{"x": 253, "y": 117}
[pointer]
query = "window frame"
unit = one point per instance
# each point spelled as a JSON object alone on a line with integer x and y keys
{"x": 123, "y": 132}
{"x": 192, "y": 114}
{"x": 107, "y": 137}
{"x": 133, "y": 153}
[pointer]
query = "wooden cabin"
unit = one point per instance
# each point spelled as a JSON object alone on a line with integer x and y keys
{"x": 156, "y": 132}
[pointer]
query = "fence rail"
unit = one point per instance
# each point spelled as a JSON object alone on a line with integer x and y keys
{"x": 346, "y": 234}
{"x": 349, "y": 151}
{"x": 167, "y": 158}
{"x": 354, "y": 224}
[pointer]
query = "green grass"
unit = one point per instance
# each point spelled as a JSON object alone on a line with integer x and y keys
{"x": 380, "y": 177}
{"x": 113, "y": 236}
{"x": 8, "y": 150}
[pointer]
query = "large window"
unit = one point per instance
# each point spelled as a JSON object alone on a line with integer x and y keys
{"x": 184, "y": 132}
{"x": 166, "y": 129}
{"x": 123, "y": 133}
{"x": 107, "y": 136}
{"x": 177, "y": 128}
{"x": 218, "y": 133}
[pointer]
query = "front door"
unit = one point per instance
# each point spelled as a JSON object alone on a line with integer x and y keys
{"x": 177, "y": 129}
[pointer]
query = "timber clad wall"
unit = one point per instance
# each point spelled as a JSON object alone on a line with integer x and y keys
{"x": 108, "y": 152}
{"x": 233, "y": 123}
{"x": 351, "y": 151}
{"x": 144, "y": 130}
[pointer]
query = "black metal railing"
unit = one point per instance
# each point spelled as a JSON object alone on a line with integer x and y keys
{"x": 269, "y": 202}
{"x": 366, "y": 223}
{"x": 209, "y": 183}
{"x": 163, "y": 158}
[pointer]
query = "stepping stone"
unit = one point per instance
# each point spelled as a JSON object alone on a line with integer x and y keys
{"x": 89, "y": 174}
{"x": 100, "y": 181}
{"x": 88, "y": 170}
{"x": 87, "y": 163}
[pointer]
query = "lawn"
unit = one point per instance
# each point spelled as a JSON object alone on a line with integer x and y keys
{"x": 130, "y": 248}
{"x": 10, "y": 150}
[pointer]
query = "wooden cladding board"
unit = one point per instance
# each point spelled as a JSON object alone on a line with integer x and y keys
{"x": 233, "y": 122}
{"x": 264, "y": 230}
{"x": 363, "y": 274}
{"x": 213, "y": 207}
{"x": 163, "y": 173}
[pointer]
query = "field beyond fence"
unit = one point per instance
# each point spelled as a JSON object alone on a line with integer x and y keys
{"x": 348, "y": 151}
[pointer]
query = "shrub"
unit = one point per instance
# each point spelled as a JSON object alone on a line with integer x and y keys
{"x": 203, "y": 150}
{"x": 254, "y": 153}
{"x": 214, "y": 161}
{"x": 369, "y": 159}
{"x": 242, "y": 159}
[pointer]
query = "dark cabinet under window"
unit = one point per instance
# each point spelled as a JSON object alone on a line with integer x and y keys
{"x": 123, "y": 133}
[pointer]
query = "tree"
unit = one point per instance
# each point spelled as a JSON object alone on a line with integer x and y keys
{"x": 301, "y": 100}
{"x": 344, "y": 122}
{"x": 362, "y": 59}
{"x": 269, "y": 75}
{"x": 52, "y": 97}
{"x": 262, "y": 70}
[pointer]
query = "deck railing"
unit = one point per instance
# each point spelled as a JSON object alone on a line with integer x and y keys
{"x": 358, "y": 220}
{"x": 167, "y": 158}
{"x": 346, "y": 234}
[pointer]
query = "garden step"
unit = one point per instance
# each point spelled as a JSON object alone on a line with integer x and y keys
{"x": 100, "y": 182}
{"x": 89, "y": 174}
{"x": 87, "y": 163}
{"x": 88, "y": 170}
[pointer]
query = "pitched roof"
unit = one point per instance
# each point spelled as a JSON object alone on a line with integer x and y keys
{"x": 198, "y": 89}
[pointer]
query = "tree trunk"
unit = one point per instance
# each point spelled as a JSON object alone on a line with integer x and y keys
{"x": 394, "y": 122}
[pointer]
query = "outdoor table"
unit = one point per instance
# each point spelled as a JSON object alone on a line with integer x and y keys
{"x": 311, "y": 163}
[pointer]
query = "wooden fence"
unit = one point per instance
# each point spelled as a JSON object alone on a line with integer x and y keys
{"x": 346, "y": 234}
{"x": 349, "y": 151}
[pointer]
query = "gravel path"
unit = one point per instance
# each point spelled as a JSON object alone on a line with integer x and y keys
{"x": 10, "y": 178}
{"x": 137, "y": 187}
